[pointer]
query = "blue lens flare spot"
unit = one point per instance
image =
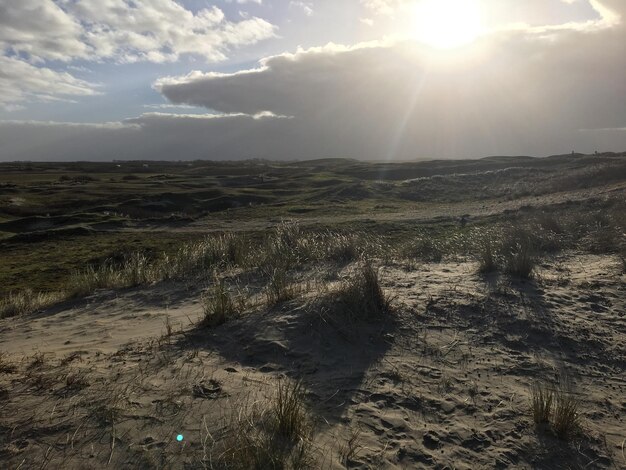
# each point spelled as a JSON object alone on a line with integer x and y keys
{"x": 179, "y": 438}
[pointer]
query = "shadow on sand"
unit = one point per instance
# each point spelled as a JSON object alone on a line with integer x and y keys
{"x": 330, "y": 355}
{"x": 161, "y": 295}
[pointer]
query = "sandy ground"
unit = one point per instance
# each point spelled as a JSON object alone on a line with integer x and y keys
{"x": 443, "y": 382}
{"x": 103, "y": 322}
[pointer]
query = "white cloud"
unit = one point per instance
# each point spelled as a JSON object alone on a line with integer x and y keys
{"x": 306, "y": 7}
{"x": 382, "y": 7}
{"x": 66, "y": 125}
{"x": 34, "y": 32}
{"x": 122, "y": 30}
{"x": 156, "y": 116}
{"x": 41, "y": 29}
{"x": 162, "y": 30}
{"x": 608, "y": 17}
{"x": 21, "y": 81}
{"x": 607, "y": 10}
{"x": 168, "y": 106}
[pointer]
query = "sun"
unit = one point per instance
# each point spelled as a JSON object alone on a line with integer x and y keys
{"x": 447, "y": 24}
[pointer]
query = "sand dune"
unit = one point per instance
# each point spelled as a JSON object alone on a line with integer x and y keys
{"x": 443, "y": 382}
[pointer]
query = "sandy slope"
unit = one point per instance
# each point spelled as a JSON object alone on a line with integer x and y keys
{"x": 103, "y": 322}
{"x": 442, "y": 383}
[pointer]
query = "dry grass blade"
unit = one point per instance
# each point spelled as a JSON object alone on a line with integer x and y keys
{"x": 342, "y": 248}
{"x": 350, "y": 450}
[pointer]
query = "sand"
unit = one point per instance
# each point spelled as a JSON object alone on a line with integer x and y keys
{"x": 442, "y": 382}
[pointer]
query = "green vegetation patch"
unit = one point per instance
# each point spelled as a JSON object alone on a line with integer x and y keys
{"x": 47, "y": 265}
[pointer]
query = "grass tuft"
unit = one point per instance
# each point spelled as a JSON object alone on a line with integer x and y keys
{"x": 565, "y": 419}
{"x": 273, "y": 435}
{"x": 191, "y": 259}
{"x": 519, "y": 255}
{"x": 288, "y": 413}
{"x": 342, "y": 248}
{"x": 26, "y": 302}
{"x": 135, "y": 270}
{"x": 279, "y": 287}
{"x": 362, "y": 296}
{"x": 542, "y": 399}
{"x": 487, "y": 260}
{"x": 75, "y": 382}
{"x": 558, "y": 407}
{"x": 218, "y": 305}
{"x": 287, "y": 245}
{"x": 424, "y": 249}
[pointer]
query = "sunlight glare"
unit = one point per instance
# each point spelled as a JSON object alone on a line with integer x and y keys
{"x": 447, "y": 24}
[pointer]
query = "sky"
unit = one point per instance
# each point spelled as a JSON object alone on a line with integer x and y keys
{"x": 385, "y": 80}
